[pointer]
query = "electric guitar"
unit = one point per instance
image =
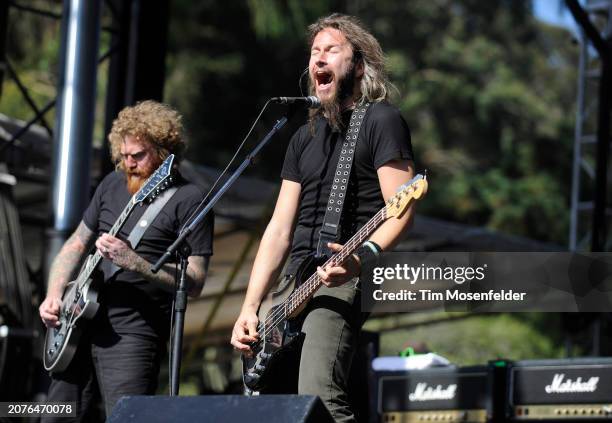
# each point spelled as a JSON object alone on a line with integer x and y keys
{"x": 279, "y": 314}
{"x": 79, "y": 302}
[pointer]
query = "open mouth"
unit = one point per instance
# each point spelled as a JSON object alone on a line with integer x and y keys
{"x": 324, "y": 79}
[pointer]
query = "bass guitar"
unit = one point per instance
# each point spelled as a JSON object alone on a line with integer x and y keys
{"x": 279, "y": 314}
{"x": 79, "y": 302}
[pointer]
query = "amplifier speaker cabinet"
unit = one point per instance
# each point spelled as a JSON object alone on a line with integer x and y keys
{"x": 561, "y": 390}
{"x": 448, "y": 394}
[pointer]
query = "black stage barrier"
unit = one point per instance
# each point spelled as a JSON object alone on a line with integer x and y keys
{"x": 221, "y": 408}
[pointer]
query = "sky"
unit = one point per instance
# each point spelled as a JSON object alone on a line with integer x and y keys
{"x": 550, "y": 11}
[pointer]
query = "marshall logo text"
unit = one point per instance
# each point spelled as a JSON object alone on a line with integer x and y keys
{"x": 429, "y": 393}
{"x": 560, "y": 386}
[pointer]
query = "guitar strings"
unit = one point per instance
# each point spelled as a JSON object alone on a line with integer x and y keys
{"x": 311, "y": 285}
{"x": 314, "y": 281}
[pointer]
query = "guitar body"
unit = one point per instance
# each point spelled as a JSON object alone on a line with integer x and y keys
{"x": 283, "y": 336}
{"x": 79, "y": 306}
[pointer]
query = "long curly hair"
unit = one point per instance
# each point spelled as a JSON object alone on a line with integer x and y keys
{"x": 153, "y": 122}
{"x": 375, "y": 85}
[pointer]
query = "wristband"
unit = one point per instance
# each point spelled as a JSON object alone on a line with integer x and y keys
{"x": 369, "y": 252}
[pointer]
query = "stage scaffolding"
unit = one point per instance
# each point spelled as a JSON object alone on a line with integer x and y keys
{"x": 590, "y": 215}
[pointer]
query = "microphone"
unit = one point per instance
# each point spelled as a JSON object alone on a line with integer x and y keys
{"x": 310, "y": 101}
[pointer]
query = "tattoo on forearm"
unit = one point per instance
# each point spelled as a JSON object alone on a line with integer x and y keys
{"x": 196, "y": 273}
{"x": 84, "y": 235}
{"x": 67, "y": 262}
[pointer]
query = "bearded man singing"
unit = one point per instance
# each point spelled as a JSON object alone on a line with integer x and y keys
{"x": 346, "y": 71}
{"x": 120, "y": 352}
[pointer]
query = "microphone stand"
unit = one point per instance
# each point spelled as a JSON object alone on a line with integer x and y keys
{"x": 181, "y": 246}
{"x": 180, "y": 307}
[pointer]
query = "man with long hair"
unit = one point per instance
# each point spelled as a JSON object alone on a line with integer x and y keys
{"x": 120, "y": 352}
{"x": 346, "y": 70}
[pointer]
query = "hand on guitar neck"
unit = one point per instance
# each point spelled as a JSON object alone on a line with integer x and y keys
{"x": 333, "y": 276}
{"x": 117, "y": 251}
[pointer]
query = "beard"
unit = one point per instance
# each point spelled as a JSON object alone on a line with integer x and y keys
{"x": 136, "y": 178}
{"x": 332, "y": 107}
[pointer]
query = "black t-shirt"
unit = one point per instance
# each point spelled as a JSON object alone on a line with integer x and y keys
{"x": 312, "y": 160}
{"x": 129, "y": 303}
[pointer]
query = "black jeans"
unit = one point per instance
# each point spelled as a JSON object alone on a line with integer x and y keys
{"x": 127, "y": 365}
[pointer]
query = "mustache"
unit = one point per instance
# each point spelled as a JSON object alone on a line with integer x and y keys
{"x": 136, "y": 172}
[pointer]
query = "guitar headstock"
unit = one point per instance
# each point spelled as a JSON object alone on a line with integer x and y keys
{"x": 158, "y": 182}
{"x": 412, "y": 190}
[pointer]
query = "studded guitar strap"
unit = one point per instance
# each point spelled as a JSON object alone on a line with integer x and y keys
{"x": 337, "y": 196}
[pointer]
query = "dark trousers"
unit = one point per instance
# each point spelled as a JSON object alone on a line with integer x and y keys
{"x": 331, "y": 327}
{"x": 128, "y": 365}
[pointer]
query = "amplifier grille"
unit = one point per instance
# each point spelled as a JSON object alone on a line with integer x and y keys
{"x": 563, "y": 412}
{"x": 465, "y": 416}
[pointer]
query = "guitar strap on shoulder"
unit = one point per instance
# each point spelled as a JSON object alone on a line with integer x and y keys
{"x": 337, "y": 196}
{"x": 140, "y": 228}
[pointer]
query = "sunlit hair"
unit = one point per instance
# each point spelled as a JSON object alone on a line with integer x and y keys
{"x": 152, "y": 122}
{"x": 375, "y": 85}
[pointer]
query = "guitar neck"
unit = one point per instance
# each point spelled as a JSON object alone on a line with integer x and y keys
{"x": 97, "y": 257}
{"x": 305, "y": 291}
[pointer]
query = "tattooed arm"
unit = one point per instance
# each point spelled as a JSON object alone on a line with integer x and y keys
{"x": 125, "y": 257}
{"x": 196, "y": 274}
{"x": 63, "y": 270}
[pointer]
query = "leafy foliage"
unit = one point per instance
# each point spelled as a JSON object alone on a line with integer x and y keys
{"x": 487, "y": 90}
{"x": 478, "y": 339}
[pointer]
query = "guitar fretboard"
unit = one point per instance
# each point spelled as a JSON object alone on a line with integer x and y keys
{"x": 308, "y": 288}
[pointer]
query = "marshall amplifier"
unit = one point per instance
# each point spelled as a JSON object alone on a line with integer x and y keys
{"x": 571, "y": 389}
{"x": 448, "y": 394}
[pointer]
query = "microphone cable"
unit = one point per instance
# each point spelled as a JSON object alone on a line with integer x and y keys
{"x": 222, "y": 174}
{"x": 210, "y": 191}
{"x": 304, "y": 73}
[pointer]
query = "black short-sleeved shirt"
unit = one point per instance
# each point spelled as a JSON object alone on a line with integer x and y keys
{"x": 129, "y": 303}
{"x": 312, "y": 160}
